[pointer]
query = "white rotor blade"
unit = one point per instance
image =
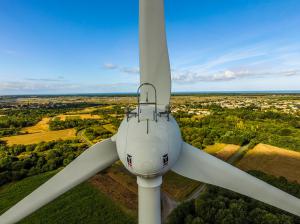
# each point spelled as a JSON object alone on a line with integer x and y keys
{"x": 198, "y": 165}
{"x": 90, "y": 162}
{"x": 154, "y": 59}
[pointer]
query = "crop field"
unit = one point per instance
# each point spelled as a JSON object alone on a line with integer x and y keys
{"x": 211, "y": 149}
{"x": 41, "y": 126}
{"x": 118, "y": 184}
{"x": 272, "y": 160}
{"x": 177, "y": 186}
{"x": 63, "y": 117}
{"x": 86, "y": 110}
{"x": 227, "y": 151}
{"x": 82, "y": 204}
{"x": 221, "y": 150}
{"x": 45, "y": 136}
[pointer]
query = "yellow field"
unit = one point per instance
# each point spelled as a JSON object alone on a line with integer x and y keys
{"x": 221, "y": 150}
{"x": 41, "y": 126}
{"x": 227, "y": 152}
{"x": 110, "y": 128}
{"x": 83, "y": 111}
{"x": 214, "y": 148}
{"x": 45, "y": 136}
{"x": 272, "y": 160}
{"x": 81, "y": 116}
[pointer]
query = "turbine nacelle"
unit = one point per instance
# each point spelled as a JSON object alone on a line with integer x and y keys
{"x": 148, "y": 141}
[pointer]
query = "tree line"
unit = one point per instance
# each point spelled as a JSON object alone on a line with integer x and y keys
{"x": 220, "y": 206}
{"x": 241, "y": 126}
{"x": 20, "y": 161}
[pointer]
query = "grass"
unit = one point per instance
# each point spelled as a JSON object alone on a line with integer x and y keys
{"x": 272, "y": 160}
{"x": 110, "y": 128}
{"x": 82, "y": 204}
{"x": 45, "y": 136}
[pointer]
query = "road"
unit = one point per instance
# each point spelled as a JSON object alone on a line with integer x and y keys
{"x": 84, "y": 138}
{"x": 168, "y": 205}
{"x": 238, "y": 155}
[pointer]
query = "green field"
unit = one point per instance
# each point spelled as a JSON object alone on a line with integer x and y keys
{"x": 83, "y": 204}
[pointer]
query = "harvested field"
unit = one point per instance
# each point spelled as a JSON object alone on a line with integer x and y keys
{"x": 41, "y": 126}
{"x": 221, "y": 150}
{"x": 211, "y": 149}
{"x": 121, "y": 175}
{"x": 83, "y": 111}
{"x": 227, "y": 151}
{"x": 115, "y": 191}
{"x": 74, "y": 116}
{"x": 45, "y": 136}
{"x": 272, "y": 160}
{"x": 177, "y": 186}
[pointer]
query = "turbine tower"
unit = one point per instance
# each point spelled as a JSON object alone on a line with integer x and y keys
{"x": 149, "y": 143}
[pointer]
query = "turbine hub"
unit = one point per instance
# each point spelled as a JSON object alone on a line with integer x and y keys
{"x": 148, "y": 141}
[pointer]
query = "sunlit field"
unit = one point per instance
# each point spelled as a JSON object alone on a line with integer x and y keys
{"x": 45, "y": 136}
{"x": 273, "y": 160}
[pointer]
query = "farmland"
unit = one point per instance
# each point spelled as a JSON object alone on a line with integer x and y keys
{"x": 64, "y": 117}
{"x": 272, "y": 160}
{"x": 42, "y": 134}
{"x": 46, "y": 136}
{"x": 41, "y": 126}
{"x": 221, "y": 150}
{"x": 82, "y": 204}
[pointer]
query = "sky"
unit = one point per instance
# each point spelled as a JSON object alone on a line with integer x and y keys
{"x": 62, "y": 46}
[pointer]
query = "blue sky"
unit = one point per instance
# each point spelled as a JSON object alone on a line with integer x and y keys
{"x": 92, "y": 46}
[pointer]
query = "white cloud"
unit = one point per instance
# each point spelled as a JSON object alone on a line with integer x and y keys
{"x": 133, "y": 70}
{"x": 33, "y": 85}
{"x": 110, "y": 66}
{"x": 58, "y": 79}
{"x": 128, "y": 70}
{"x": 227, "y": 75}
{"x": 46, "y": 86}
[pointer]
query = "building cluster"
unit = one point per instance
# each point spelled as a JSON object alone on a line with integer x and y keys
{"x": 264, "y": 103}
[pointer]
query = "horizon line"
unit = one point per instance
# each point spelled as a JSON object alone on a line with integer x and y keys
{"x": 172, "y": 93}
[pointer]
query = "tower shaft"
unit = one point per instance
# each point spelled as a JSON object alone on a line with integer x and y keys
{"x": 149, "y": 200}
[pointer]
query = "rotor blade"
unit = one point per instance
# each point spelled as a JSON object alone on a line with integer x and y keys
{"x": 154, "y": 59}
{"x": 90, "y": 162}
{"x": 198, "y": 165}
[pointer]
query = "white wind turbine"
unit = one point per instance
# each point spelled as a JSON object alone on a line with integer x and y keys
{"x": 149, "y": 143}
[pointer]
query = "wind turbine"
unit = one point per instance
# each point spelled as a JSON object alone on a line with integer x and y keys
{"x": 149, "y": 143}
